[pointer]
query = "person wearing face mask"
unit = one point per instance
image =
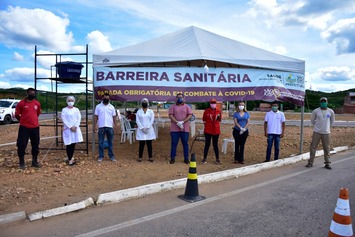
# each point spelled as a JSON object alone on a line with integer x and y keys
{"x": 240, "y": 131}
{"x": 274, "y": 130}
{"x": 322, "y": 120}
{"x": 27, "y": 112}
{"x": 211, "y": 118}
{"x": 71, "y": 118}
{"x": 179, "y": 114}
{"x": 145, "y": 131}
{"x": 105, "y": 125}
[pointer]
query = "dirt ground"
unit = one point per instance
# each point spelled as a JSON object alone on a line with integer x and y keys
{"x": 55, "y": 184}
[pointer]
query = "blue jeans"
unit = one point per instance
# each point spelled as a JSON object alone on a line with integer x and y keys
{"x": 109, "y": 134}
{"x": 185, "y": 144}
{"x": 273, "y": 138}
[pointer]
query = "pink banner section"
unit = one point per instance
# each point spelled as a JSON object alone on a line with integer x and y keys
{"x": 200, "y": 94}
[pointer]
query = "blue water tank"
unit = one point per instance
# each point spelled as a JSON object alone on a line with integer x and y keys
{"x": 70, "y": 70}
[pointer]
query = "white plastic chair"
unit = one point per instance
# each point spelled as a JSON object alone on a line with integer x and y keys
{"x": 127, "y": 133}
{"x": 225, "y": 144}
{"x": 161, "y": 120}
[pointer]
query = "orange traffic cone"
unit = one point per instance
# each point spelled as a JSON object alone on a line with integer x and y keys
{"x": 191, "y": 190}
{"x": 341, "y": 223}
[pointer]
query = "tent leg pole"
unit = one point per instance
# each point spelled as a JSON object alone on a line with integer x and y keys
{"x": 301, "y": 135}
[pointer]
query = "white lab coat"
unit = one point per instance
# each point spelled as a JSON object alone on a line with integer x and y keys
{"x": 71, "y": 117}
{"x": 145, "y": 120}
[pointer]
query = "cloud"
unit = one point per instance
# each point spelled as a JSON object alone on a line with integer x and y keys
{"x": 23, "y": 28}
{"x": 4, "y": 84}
{"x": 342, "y": 34}
{"x": 331, "y": 78}
{"x": 316, "y": 14}
{"x": 24, "y": 74}
{"x": 98, "y": 42}
{"x": 17, "y": 56}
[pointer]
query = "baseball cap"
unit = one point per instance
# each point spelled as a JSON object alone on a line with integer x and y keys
{"x": 213, "y": 101}
{"x": 323, "y": 98}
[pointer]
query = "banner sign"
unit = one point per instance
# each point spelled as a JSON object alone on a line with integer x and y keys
{"x": 198, "y": 84}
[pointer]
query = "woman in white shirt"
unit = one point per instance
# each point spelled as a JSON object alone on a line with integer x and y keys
{"x": 71, "y": 118}
{"x": 145, "y": 131}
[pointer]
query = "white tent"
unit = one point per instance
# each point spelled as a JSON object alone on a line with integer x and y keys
{"x": 274, "y": 76}
{"x": 193, "y": 46}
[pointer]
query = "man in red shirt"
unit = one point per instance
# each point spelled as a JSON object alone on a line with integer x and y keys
{"x": 27, "y": 112}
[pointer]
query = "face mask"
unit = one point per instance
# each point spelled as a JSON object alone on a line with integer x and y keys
{"x": 241, "y": 107}
{"x": 179, "y": 100}
{"x": 31, "y": 97}
{"x": 144, "y": 105}
{"x": 213, "y": 106}
{"x": 105, "y": 101}
{"x": 274, "y": 108}
{"x": 70, "y": 103}
{"x": 323, "y": 104}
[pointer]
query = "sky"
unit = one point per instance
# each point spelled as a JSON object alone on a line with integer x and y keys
{"x": 322, "y": 33}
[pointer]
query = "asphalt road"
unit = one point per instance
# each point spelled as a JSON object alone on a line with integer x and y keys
{"x": 285, "y": 201}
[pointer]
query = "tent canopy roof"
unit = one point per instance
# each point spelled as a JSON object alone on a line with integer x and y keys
{"x": 193, "y": 46}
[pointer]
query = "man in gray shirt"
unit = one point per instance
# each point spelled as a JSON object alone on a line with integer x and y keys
{"x": 322, "y": 119}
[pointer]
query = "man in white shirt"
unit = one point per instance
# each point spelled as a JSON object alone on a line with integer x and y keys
{"x": 105, "y": 124}
{"x": 274, "y": 129}
{"x": 322, "y": 120}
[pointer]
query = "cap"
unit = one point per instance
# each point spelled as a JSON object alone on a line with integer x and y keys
{"x": 213, "y": 101}
{"x": 323, "y": 98}
{"x": 145, "y": 99}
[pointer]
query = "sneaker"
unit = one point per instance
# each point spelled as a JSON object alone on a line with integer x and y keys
{"x": 113, "y": 160}
{"x": 71, "y": 162}
{"x": 266, "y": 161}
{"x": 171, "y": 161}
{"x": 22, "y": 166}
{"x": 204, "y": 161}
{"x": 187, "y": 162}
{"x": 36, "y": 165}
{"x": 309, "y": 165}
{"x": 151, "y": 160}
{"x": 100, "y": 159}
{"x": 139, "y": 160}
{"x": 328, "y": 167}
{"x": 217, "y": 162}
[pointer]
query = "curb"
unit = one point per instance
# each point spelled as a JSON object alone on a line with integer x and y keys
{"x": 61, "y": 210}
{"x": 142, "y": 191}
{"x": 12, "y": 217}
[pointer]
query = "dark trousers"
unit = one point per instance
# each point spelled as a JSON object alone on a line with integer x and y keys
{"x": 149, "y": 146}
{"x": 239, "y": 143}
{"x": 70, "y": 150}
{"x": 22, "y": 140}
{"x": 208, "y": 138}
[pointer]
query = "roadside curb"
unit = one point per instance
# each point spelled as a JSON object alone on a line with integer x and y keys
{"x": 61, "y": 210}
{"x": 12, "y": 217}
{"x": 142, "y": 191}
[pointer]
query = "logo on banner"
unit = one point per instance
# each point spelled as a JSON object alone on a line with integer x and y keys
{"x": 272, "y": 93}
